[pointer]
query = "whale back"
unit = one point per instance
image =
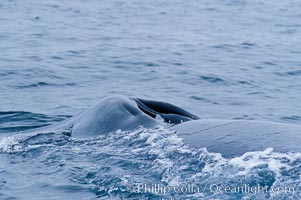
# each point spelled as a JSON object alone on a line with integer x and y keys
{"x": 228, "y": 137}
{"x": 236, "y": 137}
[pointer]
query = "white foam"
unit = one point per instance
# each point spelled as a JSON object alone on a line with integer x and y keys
{"x": 213, "y": 161}
{"x": 9, "y": 144}
{"x": 273, "y": 160}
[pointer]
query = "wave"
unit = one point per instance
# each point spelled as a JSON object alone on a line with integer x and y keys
{"x": 15, "y": 121}
{"x": 117, "y": 164}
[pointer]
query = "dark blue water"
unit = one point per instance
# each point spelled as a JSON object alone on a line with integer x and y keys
{"x": 227, "y": 59}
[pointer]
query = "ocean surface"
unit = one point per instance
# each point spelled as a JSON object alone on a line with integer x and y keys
{"x": 224, "y": 59}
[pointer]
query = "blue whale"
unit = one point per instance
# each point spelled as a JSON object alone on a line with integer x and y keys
{"x": 229, "y": 137}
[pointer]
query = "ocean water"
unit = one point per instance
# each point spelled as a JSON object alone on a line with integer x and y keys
{"x": 225, "y": 59}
